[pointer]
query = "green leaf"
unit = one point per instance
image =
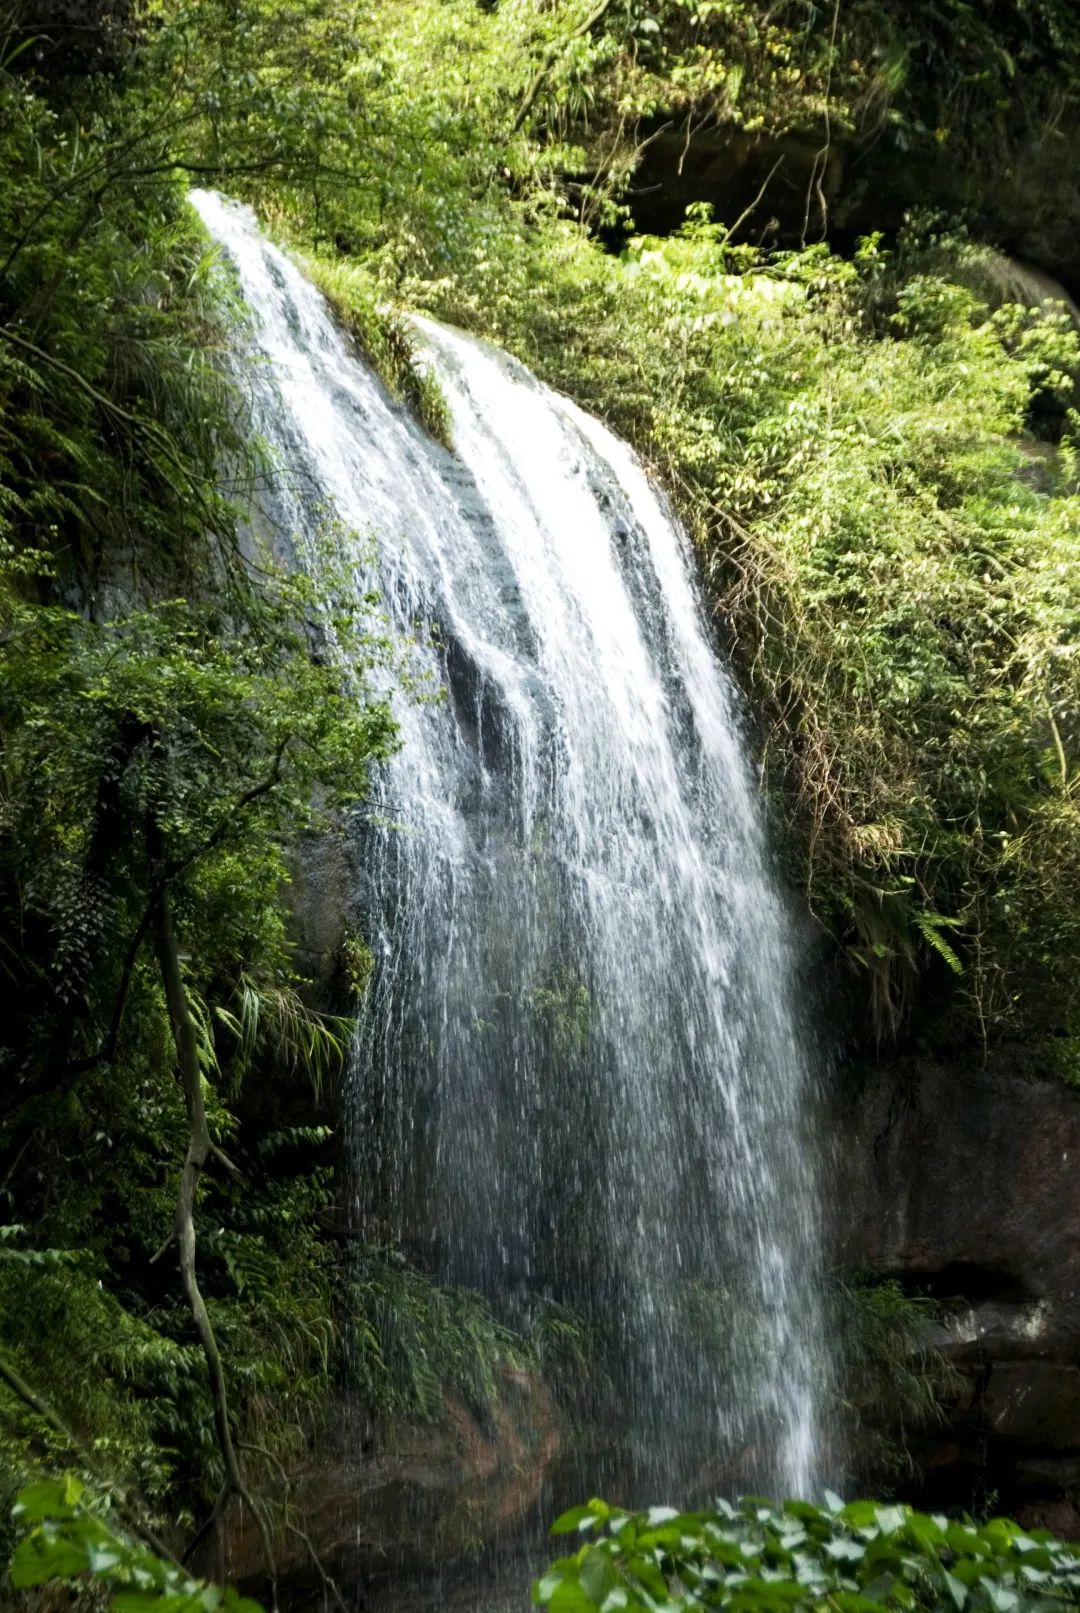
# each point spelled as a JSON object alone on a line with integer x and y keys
{"x": 845, "y": 1551}
{"x": 41, "y": 1557}
{"x": 596, "y": 1575}
{"x": 569, "y": 1597}
{"x": 956, "y": 1589}
{"x": 925, "y": 1531}
{"x": 616, "y": 1598}
{"x": 577, "y": 1518}
{"x": 860, "y": 1514}
{"x": 879, "y": 1588}
{"x": 927, "y": 925}
{"x": 890, "y": 1519}
{"x": 50, "y": 1498}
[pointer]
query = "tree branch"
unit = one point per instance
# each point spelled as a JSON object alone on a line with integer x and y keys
{"x": 199, "y": 1147}
{"x": 758, "y": 199}
{"x": 30, "y": 1397}
{"x": 328, "y": 1582}
{"x": 551, "y": 55}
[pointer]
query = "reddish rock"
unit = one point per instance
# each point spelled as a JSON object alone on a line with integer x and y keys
{"x": 407, "y": 1496}
{"x": 1062, "y": 1518}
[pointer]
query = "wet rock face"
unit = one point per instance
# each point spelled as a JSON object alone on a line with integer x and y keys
{"x": 962, "y": 1182}
{"x": 400, "y": 1499}
{"x": 320, "y": 901}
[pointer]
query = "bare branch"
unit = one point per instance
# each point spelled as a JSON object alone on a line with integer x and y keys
{"x": 551, "y": 56}
{"x": 30, "y": 1397}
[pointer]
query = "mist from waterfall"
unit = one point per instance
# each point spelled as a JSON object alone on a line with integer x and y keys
{"x": 581, "y": 1072}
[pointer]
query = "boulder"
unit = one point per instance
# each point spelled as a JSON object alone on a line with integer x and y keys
{"x": 369, "y": 1500}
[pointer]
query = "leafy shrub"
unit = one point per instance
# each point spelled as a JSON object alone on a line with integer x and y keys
{"x": 754, "y": 1557}
{"x": 384, "y": 339}
{"x": 71, "y": 1538}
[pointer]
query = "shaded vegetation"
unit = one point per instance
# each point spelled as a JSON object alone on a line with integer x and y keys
{"x": 895, "y": 1381}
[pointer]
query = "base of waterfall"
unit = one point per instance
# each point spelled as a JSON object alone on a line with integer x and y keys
{"x": 404, "y": 1500}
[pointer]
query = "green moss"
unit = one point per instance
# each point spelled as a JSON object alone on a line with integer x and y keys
{"x": 358, "y": 961}
{"x": 383, "y": 337}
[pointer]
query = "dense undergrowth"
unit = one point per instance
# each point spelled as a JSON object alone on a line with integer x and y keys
{"x": 753, "y": 1555}
{"x": 875, "y": 453}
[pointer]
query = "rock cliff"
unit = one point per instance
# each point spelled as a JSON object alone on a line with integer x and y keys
{"x": 960, "y": 1180}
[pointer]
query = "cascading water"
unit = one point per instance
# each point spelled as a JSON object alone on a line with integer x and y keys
{"x": 579, "y": 1070}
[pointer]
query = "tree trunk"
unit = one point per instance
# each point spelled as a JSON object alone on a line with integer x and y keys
{"x": 198, "y": 1151}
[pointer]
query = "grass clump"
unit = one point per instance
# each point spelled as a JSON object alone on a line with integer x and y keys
{"x": 385, "y": 340}
{"x": 894, "y": 1381}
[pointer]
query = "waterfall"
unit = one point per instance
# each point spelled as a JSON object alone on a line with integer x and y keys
{"x": 580, "y": 1069}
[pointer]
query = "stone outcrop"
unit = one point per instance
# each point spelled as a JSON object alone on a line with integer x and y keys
{"x": 962, "y": 1182}
{"x": 320, "y": 900}
{"x": 402, "y": 1498}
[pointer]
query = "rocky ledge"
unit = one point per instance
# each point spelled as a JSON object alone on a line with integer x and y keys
{"x": 961, "y": 1182}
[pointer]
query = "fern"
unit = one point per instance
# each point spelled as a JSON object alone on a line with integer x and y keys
{"x": 930, "y": 926}
{"x": 275, "y": 1018}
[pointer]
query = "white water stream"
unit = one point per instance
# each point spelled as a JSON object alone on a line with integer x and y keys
{"x": 580, "y": 1072}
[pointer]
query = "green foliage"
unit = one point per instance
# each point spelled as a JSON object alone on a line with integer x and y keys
{"x": 889, "y": 558}
{"x": 890, "y": 548}
{"x": 967, "y": 102}
{"x": 895, "y": 582}
{"x": 890, "y": 551}
{"x": 116, "y": 410}
{"x": 564, "y": 1007}
{"x": 358, "y": 962}
{"x": 70, "y": 1539}
{"x": 565, "y": 1347}
{"x": 384, "y": 339}
{"x": 895, "y": 1380}
{"x": 412, "y": 1341}
{"x": 170, "y": 717}
{"x": 754, "y": 1557}
{"x": 128, "y": 1390}
{"x": 299, "y": 1037}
